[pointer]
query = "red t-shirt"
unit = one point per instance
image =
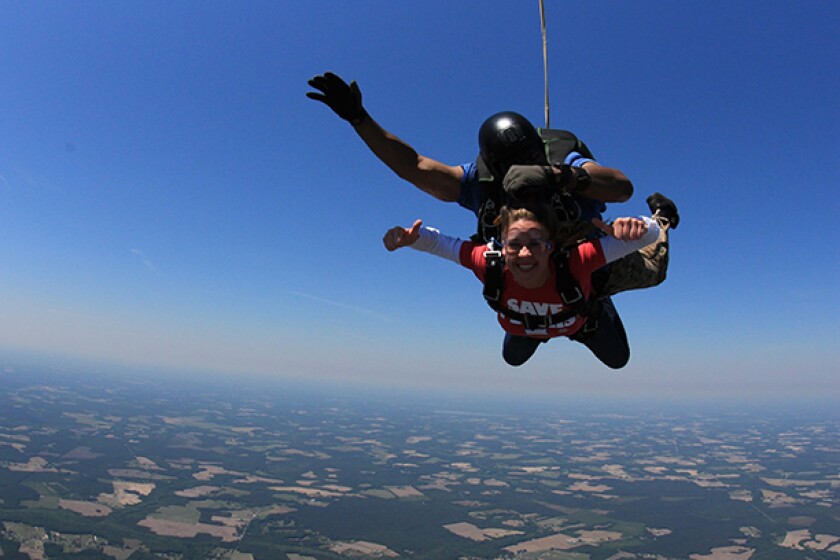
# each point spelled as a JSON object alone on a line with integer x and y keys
{"x": 583, "y": 260}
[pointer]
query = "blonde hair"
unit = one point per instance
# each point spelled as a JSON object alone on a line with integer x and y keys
{"x": 541, "y": 214}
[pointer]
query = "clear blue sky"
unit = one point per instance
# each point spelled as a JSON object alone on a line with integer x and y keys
{"x": 170, "y": 198}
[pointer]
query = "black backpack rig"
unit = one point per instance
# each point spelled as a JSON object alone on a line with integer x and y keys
{"x": 558, "y": 144}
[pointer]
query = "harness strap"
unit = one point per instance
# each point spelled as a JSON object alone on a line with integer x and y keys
{"x": 534, "y": 322}
{"x": 493, "y": 276}
{"x": 566, "y": 285}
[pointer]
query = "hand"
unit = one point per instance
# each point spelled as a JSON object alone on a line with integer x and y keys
{"x": 345, "y": 100}
{"x": 624, "y": 229}
{"x": 399, "y": 236}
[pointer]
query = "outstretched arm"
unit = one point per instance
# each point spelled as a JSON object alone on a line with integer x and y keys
{"x": 433, "y": 177}
{"x": 430, "y": 176}
{"x": 424, "y": 239}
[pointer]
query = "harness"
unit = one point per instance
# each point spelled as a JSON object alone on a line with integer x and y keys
{"x": 558, "y": 144}
{"x": 573, "y": 301}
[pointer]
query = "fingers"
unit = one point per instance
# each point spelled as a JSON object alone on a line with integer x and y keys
{"x": 625, "y": 229}
{"x": 395, "y": 238}
{"x": 328, "y": 83}
{"x": 392, "y": 238}
{"x": 319, "y": 82}
{"x": 399, "y": 236}
{"x": 415, "y": 228}
{"x": 629, "y": 229}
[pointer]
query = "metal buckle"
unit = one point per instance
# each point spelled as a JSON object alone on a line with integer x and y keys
{"x": 495, "y": 297}
{"x": 577, "y": 297}
{"x": 494, "y": 259}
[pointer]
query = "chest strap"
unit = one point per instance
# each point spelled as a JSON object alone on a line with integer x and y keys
{"x": 567, "y": 287}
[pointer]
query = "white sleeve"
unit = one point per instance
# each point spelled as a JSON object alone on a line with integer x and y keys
{"x": 434, "y": 242}
{"x": 614, "y": 249}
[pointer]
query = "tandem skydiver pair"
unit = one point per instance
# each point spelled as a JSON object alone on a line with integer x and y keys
{"x": 548, "y": 262}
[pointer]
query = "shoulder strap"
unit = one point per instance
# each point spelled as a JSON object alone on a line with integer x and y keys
{"x": 493, "y": 277}
{"x": 492, "y": 200}
{"x": 560, "y": 143}
{"x": 566, "y": 284}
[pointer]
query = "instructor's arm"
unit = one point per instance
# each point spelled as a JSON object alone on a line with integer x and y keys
{"x": 433, "y": 177}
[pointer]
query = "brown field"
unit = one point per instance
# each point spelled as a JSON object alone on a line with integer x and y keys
{"x": 251, "y": 479}
{"x": 586, "y": 487}
{"x": 741, "y": 495}
{"x": 34, "y": 465}
{"x": 802, "y": 539}
{"x": 87, "y": 509}
{"x": 34, "y": 550}
{"x": 209, "y": 471}
{"x": 126, "y": 493}
{"x": 824, "y": 542}
{"x": 363, "y": 548}
{"x": 467, "y": 530}
{"x": 197, "y": 491}
{"x": 562, "y": 541}
{"x": 776, "y": 499}
{"x": 146, "y": 463}
{"x": 311, "y": 492}
{"x": 590, "y": 537}
{"x": 557, "y": 541}
{"x": 788, "y": 482}
{"x": 188, "y": 530}
{"x": 470, "y": 531}
{"x": 405, "y": 491}
{"x": 725, "y": 553}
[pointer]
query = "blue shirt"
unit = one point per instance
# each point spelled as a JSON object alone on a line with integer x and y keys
{"x": 586, "y": 208}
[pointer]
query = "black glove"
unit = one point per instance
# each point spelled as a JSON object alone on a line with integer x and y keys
{"x": 345, "y": 100}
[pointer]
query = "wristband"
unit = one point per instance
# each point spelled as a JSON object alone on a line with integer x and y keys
{"x": 582, "y": 180}
{"x": 572, "y": 179}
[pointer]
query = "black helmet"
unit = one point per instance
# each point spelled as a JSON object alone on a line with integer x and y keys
{"x": 508, "y": 138}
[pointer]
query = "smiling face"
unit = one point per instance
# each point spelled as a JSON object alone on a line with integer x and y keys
{"x": 528, "y": 252}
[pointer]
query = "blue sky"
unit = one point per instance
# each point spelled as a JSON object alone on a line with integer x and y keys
{"x": 169, "y": 198}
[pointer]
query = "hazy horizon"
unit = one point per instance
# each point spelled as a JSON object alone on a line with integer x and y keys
{"x": 170, "y": 199}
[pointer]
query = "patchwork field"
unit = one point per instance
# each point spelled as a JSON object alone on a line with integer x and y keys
{"x": 121, "y": 469}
